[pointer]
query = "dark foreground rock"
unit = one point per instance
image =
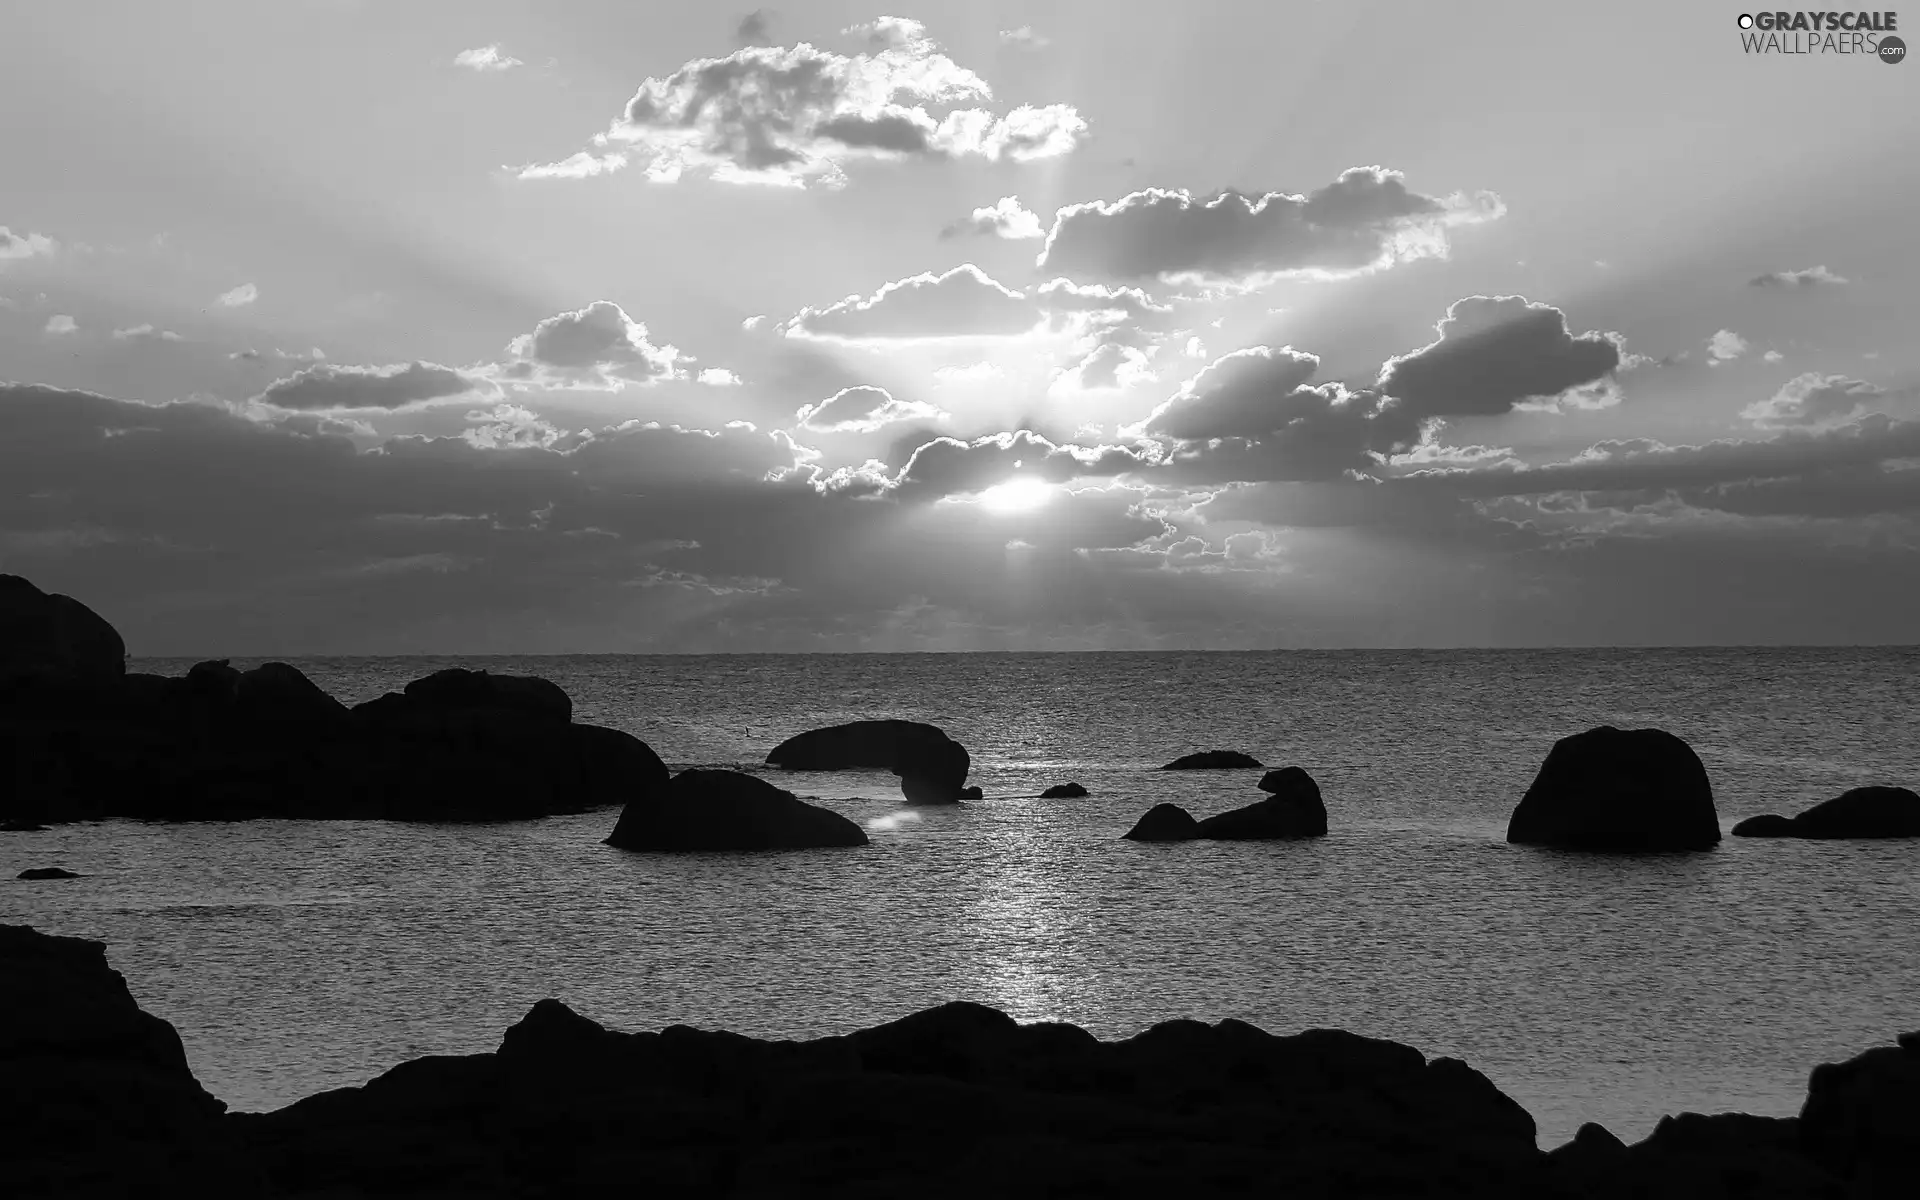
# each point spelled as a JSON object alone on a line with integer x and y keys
{"x": 1293, "y": 810}
{"x": 1620, "y": 790}
{"x": 1164, "y": 823}
{"x": 1863, "y": 812}
{"x": 48, "y": 635}
{"x": 955, "y": 1101}
{"x": 47, "y": 873}
{"x": 729, "y": 810}
{"x": 932, "y": 766}
{"x": 1213, "y": 760}
{"x": 1064, "y": 791}
{"x": 224, "y": 744}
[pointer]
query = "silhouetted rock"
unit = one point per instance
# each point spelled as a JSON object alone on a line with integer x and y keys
{"x": 1863, "y": 812}
{"x": 81, "y": 742}
{"x": 51, "y": 635}
{"x": 729, "y": 810}
{"x": 1767, "y": 825}
{"x": 1063, "y": 791}
{"x": 21, "y": 827}
{"x": 1619, "y": 789}
{"x": 971, "y": 793}
{"x": 1861, "y": 1121}
{"x": 1213, "y": 760}
{"x": 932, "y": 766}
{"x": 96, "y": 1098}
{"x": 47, "y": 873}
{"x": 1164, "y": 823}
{"x": 1294, "y": 810}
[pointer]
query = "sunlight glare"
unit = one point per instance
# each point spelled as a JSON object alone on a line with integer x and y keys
{"x": 1016, "y": 496}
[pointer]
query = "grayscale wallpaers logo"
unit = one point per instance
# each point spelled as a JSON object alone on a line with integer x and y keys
{"x": 1867, "y": 34}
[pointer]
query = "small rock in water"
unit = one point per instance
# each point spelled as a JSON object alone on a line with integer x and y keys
{"x": 1213, "y": 760}
{"x": 1063, "y": 791}
{"x": 47, "y": 873}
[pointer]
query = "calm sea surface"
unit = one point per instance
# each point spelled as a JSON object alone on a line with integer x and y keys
{"x": 297, "y": 956}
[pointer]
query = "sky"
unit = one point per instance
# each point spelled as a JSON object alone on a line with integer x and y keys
{"x": 337, "y": 327}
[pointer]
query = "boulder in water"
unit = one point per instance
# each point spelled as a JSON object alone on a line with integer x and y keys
{"x": 1862, "y": 812}
{"x": 47, "y": 873}
{"x": 932, "y": 766}
{"x": 528, "y": 695}
{"x": 729, "y": 810}
{"x": 1214, "y": 760}
{"x": 1619, "y": 789}
{"x": 1294, "y": 810}
{"x": 1164, "y": 823}
{"x": 1064, "y": 791}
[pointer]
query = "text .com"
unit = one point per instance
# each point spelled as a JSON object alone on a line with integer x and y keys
{"x": 1868, "y": 34}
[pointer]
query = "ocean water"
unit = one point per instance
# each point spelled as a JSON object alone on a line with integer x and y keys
{"x": 297, "y": 956}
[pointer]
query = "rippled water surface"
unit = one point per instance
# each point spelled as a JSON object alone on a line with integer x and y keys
{"x": 296, "y": 956}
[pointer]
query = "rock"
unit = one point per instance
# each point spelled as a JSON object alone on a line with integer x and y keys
{"x": 1861, "y": 1121}
{"x": 213, "y": 682}
{"x": 1063, "y": 791}
{"x": 46, "y": 633}
{"x": 1294, "y": 810}
{"x": 1863, "y": 812}
{"x": 457, "y": 687}
{"x": 729, "y": 810}
{"x": 932, "y": 766}
{"x": 47, "y": 873}
{"x": 98, "y": 1099}
{"x": 1213, "y": 760}
{"x": 1164, "y": 823}
{"x": 21, "y": 827}
{"x": 972, "y": 793}
{"x": 280, "y": 694}
{"x": 1768, "y": 825}
{"x": 1619, "y": 789}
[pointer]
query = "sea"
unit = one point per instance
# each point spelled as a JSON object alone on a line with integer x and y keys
{"x": 296, "y": 956}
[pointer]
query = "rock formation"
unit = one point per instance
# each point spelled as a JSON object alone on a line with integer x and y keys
{"x": 1213, "y": 760}
{"x": 1862, "y": 812}
{"x": 1063, "y": 791}
{"x": 728, "y": 810}
{"x": 1292, "y": 810}
{"x": 1164, "y": 823}
{"x": 1619, "y": 789}
{"x": 932, "y": 766}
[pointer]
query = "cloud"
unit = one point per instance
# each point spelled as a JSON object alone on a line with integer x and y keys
{"x": 979, "y": 372}
{"x": 1365, "y": 220}
{"x": 245, "y": 294}
{"x": 790, "y": 116}
{"x": 718, "y": 377}
{"x": 404, "y": 385}
{"x": 1772, "y": 356}
{"x": 1492, "y": 353}
{"x": 862, "y": 410}
{"x": 949, "y": 466}
{"x": 1810, "y": 277}
{"x": 753, "y": 29}
{"x": 1725, "y": 346}
{"x": 1004, "y": 218}
{"x": 60, "y": 323}
{"x": 1814, "y": 400}
{"x": 24, "y": 245}
{"x": 1024, "y": 38}
{"x": 598, "y": 347}
{"x": 486, "y": 58}
{"x": 963, "y": 302}
{"x": 145, "y": 332}
{"x": 1109, "y": 367}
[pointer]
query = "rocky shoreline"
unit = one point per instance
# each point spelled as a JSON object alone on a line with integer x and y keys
{"x": 958, "y": 1100}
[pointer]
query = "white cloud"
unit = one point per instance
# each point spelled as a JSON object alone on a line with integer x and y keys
{"x": 1772, "y": 356}
{"x": 486, "y": 58}
{"x": 1814, "y": 400}
{"x": 792, "y": 115}
{"x": 1725, "y": 346}
{"x": 1004, "y": 218}
{"x": 146, "y": 331}
{"x": 862, "y": 410}
{"x": 596, "y": 348}
{"x": 1810, "y": 277}
{"x": 978, "y": 372}
{"x": 246, "y": 293}
{"x": 719, "y": 377}
{"x": 60, "y": 323}
{"x": 24, "y": 245}
{"x": 1025, "y": 38}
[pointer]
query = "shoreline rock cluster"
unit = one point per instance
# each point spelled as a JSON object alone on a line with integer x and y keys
{"x": 957, "y": 1100}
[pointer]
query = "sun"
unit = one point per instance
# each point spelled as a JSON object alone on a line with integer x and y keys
{"x": 1016, "y": 496}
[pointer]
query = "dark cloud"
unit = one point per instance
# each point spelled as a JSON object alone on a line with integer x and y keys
{"x": 1492, "y": 353}
{"x": 1364, "y": 220}
{"x": 792, "y": 115}
{"x": 754, "y": 28}
{"x": 328, "y": 387}
{"x": 1810, "y": 277}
